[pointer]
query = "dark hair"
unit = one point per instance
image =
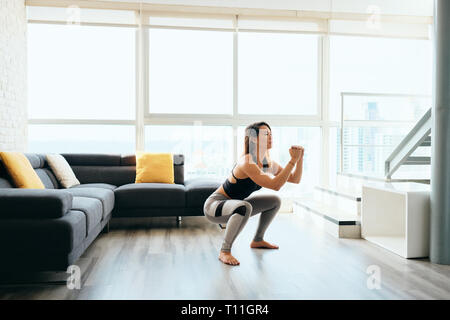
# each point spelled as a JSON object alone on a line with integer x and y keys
{"x": 252, "y": 131}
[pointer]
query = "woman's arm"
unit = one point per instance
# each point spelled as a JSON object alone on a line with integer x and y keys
{"x": 265, "y": 180}
{"x": 294, "y": 177}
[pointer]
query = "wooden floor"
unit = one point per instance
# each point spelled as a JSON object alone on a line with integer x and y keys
{"x": 155, "y": 259}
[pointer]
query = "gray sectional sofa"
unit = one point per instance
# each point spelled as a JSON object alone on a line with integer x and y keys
{"x": 49, "y": 229}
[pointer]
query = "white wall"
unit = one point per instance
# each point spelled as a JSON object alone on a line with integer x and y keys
{"x": 13, "y": 86}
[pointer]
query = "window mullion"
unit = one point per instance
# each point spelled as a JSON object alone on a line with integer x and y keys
{"x": 235, "y": 85}
{"x": 141, "y": 76}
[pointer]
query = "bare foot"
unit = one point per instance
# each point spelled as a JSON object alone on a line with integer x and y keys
{"x": 263, "y": 244}
{"x": 227, "y": 258}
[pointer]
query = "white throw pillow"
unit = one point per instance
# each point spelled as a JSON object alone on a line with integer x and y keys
{"x": 62, "y": 170}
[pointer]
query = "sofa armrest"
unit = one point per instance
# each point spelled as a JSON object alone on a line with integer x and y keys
{"x": 198, "y": 190}
{"x": 34, "y": 203}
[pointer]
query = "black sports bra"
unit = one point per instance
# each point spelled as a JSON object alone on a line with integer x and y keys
{"x": 242, "y": 188}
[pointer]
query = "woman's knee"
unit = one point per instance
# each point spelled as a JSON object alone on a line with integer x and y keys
{"x": 244, "y": 209}
{"x": 276, "y": 201}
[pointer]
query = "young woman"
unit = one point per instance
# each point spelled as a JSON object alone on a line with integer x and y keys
{"x": 232, "y": 204}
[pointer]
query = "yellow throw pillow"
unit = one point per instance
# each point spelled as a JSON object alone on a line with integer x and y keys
{"x": 154, "y": 167}
{"x": 21, "y": 171}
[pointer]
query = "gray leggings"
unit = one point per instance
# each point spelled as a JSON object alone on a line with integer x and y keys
{"x": 235, "y": 213}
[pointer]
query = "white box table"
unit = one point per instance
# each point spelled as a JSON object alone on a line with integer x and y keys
{"x": 396, "y": 216}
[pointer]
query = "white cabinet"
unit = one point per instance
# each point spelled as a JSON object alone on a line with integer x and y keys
{"x": 396, "y": 216}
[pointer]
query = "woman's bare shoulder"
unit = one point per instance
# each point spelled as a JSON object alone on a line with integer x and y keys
{"x": 242, "y": 164}
{"x": 244, "y": 160}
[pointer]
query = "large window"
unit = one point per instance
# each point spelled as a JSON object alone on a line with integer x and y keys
{"x": 62, "y": 138}
{"x": 190, "y": 71}
{"x": 278, "y": 73}
{"x": 207, "y": 149}
{"x": 125, "y": 80}
{"x": 378, "y": 65}
{"x": 81, "y": 72}
{"x": 387, "y": 88}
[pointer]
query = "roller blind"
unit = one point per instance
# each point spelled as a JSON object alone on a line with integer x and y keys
{"x": 380, "y": 28}
{"x": 281, "y": 24}
{"x": 190, "y": 20}
{"x": 74, "y": 14}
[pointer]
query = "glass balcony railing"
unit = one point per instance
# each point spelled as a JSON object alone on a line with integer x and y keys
{"x": 372, "y": 125}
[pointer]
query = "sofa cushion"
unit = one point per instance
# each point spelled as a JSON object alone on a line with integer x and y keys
{"x": 21, "y": 170}
{"x": 4, "y": 183}
{"x": 96, "y": 185}
{"x": 62, "y": 170}
{"x": 92, "y": 159}
{"x": 47, "y": 178}
{"x": 198, "y": 190}
{"x": 36, "y": 160}
{"x": 154, "y": 167}
{"x": 39, "y": 163}
{"x": 92, "y": 209}
{"x": 129, "y": 161}
{"x": 150, "y": 195}
{"x": 105, "y": 196}
{"x": 115, "y": 175}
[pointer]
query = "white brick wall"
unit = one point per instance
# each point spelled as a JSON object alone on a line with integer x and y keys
{"x": 13, "y": 78}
